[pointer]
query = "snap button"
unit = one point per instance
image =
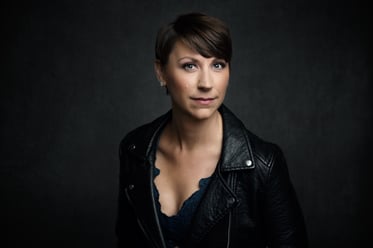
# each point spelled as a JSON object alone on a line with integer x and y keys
{"x": 231, "y": 200}
{"x": 249, "y": 162}
{"x": 132, "y": 147}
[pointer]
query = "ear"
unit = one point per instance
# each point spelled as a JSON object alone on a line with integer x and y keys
{"x": 159, "y": 72}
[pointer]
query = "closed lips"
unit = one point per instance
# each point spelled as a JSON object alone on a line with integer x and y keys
{"x": 203, "y": 98}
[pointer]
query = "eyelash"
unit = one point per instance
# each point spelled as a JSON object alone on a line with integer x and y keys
{"x": 187, "y": 66}
{"x": 220, "y": 64}
{"x": 217, "y": 65}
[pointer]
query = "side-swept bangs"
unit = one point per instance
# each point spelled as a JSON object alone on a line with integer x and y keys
{"x": 205, "y": 34}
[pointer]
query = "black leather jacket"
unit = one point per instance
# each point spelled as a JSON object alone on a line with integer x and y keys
{"x": 250, "y": 201}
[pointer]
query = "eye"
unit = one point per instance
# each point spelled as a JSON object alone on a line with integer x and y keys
{"x": 189, "y": 66}
{"x": 219, "y": 65}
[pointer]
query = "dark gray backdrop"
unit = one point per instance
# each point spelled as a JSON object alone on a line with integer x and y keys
{"x": 78, "y": 75}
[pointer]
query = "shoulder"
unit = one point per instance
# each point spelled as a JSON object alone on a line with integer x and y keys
{"x": 240, "y": 139}
{"x": 142, "y": 136}
{"x": 268, "y": 157}
{"x": 264, "y": 151}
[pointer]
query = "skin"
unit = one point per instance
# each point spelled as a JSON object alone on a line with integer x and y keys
{"x": 190, "y": 145}
{"x": 192, "y": 78}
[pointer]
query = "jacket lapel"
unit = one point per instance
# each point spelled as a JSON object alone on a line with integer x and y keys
{"x": 139, "y": 193}
{"x": 219, "y": 197}
{"x": 140, "y": 190}
{"x": 216, "y": 203}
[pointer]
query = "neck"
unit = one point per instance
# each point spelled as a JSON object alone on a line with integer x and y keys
{"x": 189, "y": 134}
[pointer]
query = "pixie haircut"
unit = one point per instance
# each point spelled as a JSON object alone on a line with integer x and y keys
{"x": 204, "y": 34}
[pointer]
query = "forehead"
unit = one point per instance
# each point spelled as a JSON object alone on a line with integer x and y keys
{"x": 181, "y": 50}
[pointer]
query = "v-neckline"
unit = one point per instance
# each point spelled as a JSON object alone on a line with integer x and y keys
{"x": 201, "y": 184}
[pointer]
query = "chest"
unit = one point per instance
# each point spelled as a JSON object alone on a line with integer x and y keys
{"x": 179, "y": 178}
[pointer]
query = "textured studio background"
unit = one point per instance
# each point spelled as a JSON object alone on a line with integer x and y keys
{"x": 78, "y": 75}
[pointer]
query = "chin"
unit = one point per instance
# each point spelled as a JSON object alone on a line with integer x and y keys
{"x": 203, "y": 113}
{"x": 196, "y": 113}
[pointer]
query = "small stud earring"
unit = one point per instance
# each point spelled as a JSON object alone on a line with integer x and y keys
{"x": 162, "y": 83}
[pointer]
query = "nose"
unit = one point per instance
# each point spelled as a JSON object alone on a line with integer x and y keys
{"x": 205, "y": 81}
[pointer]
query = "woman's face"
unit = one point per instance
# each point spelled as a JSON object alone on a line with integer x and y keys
{"x": 196, "y": 84}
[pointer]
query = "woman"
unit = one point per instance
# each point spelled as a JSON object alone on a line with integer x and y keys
{"x": 196, "y": 177}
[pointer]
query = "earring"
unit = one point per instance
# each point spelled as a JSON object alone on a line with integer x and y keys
{"x": 163, "y": 84}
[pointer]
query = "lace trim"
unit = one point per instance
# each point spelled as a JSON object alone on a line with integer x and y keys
{"x": 201, "y": 184}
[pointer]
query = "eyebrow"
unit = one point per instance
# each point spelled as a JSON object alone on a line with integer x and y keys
{"x": 196, "y": 60}
{"x": 187, "y": 57}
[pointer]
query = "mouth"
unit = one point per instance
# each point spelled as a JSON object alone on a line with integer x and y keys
{"x": 203, "y": 100}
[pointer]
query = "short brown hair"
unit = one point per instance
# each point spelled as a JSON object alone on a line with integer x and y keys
{"x": 207, "y": 35}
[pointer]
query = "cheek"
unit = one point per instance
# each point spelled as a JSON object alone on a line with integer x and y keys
{"x": 223, "y": 82}
{"x": 180, "y": 82}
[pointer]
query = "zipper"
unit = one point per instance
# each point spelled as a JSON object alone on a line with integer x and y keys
{"x": 154, "y": 207}
{"x": 230, "y": 181}
{"x": 229, "y": 228}
{"x": 138, "y": 219}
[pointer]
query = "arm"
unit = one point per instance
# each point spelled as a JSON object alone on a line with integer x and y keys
{"x": 126, "y": 229}
{"x": 283, "y": 213}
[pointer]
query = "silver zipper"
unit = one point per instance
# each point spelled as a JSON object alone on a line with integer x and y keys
{"x": 138, "y": 220}
{"x": 154, "y": 207}
{"x": 229, "y": 229}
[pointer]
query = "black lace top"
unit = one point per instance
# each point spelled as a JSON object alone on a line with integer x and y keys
{"x": 176, "y": 227}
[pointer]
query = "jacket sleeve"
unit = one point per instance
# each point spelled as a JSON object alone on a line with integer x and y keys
{"x": 283, "y": 213}
{"x": 126, "y": 229}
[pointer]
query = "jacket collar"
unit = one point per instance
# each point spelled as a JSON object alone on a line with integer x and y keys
{"x": 236, "y": 152}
